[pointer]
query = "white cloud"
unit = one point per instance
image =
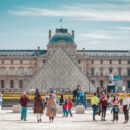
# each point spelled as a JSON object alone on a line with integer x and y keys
{"x": 123, "y": 28}
{"x": 103, "y": 12}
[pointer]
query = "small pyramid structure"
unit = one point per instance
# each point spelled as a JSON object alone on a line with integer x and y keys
{"x": 59, "y": 72}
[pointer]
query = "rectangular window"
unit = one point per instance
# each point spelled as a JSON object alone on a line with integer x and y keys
{"x": 30, "y": 61}
{"x": 101, "y": 72}
{"x": 2, "y": 62}
{"x": 21, "y": 84}
{"x": 92, "y": 62}
{"x": 12, "y": 62}
{"x": 92, "y": 72}
{"x": 21, "y": 62}
{"x": 128, "y": 72}
{"x": 101, "y": 61}
{"x": 2, "y": 83}
{"x": 110, "y": 61}
{"x": 11, "y": 84}
{"x": 128, "y": 61}
{"x": 119, "y": 61}
{"x": 44, "y": 61}
{"x": 101, "y": 83}
{"x": 128, "y": 84}
{"x": 92, "y": 81}
{"x": 119, "y": 71}
{"x": 78, "y": 61}
{"x": 110, "y": 70}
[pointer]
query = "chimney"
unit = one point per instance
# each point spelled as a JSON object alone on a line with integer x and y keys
{"x": 49, "y": 35}
{"x": 73, "y": 34}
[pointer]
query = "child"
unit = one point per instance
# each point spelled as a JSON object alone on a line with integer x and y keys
{"x": 65, "y": 107}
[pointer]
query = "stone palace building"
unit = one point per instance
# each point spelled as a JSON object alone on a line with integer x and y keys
{"x": 22, "y": 68}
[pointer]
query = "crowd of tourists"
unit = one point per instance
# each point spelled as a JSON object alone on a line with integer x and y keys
{"x": 100, "y": 102}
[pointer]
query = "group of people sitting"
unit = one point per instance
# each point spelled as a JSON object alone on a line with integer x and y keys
{"x": 102, "y": 102}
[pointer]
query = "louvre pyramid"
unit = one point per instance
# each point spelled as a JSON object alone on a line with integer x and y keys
{"x": 59, "y": 72}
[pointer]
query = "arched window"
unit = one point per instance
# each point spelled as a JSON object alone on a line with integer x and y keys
{"x": 2, "y": 71}
{"x": 20, "y": 71}
{"x": 12, "y": 71}
{"x": 30, "y": 70}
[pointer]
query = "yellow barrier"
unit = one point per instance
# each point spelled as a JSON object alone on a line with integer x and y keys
{"x": 31, "y": 95}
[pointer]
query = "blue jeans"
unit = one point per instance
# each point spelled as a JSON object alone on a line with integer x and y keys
{"x": 77, "y": 100}
{"x": 85, "y": 105}
{"x": 65, "y": 112}
{"x": 24, "y": 113}
{"x": 82, "y": 100}
{"x": 94, "y": 111}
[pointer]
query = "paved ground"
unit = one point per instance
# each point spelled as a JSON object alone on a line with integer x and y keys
{"x": 11, "y": 121}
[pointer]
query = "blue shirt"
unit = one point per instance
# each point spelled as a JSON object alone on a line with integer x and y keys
{"x": 81, "y": 93}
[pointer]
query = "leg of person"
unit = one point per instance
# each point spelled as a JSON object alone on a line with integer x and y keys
{"x": 81, "y": 99}
{"x": 66, "y": 113}
{"x": 63, "y": 112}
{"x": 37, "y": 117}
{"x": 116, "y": 116}
{"x": 70, "y": 112}
{"x": 77, "y": 100}
{"x": 22, "y": 113}
{"x": 105, "y": 109}
{"x": 25, "y": 113}
{"x": 52, "y": 119}
{"x": 94, "y": 111}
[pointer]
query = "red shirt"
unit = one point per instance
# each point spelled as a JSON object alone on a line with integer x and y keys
{"x": 70, "y": 103}
{"x": 24, "y": 101}
{"x": 104, "y": 102}
{"x": 65, "y": 106}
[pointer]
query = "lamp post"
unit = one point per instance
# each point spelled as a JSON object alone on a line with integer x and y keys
{"x": 88, "y": 81}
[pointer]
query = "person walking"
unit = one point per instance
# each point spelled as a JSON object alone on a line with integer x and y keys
{"x": 24, "y": 102}
{"x": 70, "y": 105}
{"x": 85, "y": 100}
{"x": 65, "y": 108}
{"x": 104, "y": 102}
{"x": 94, "y": 103}
{"x": 115, "y": 109}
{"x": 38, "y": 106}
{"x": 51, "y": 108}
{"x": 46, "y": 99}
{"x": 126, "y": 103}
{"x": 61, "y": 100}
{"x": 1, "y": 101}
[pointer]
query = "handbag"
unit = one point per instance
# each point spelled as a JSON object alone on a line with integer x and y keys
{"x": 54, "y": 108}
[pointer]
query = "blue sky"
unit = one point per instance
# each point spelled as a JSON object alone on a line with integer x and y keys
{"x": 98, "y": 24}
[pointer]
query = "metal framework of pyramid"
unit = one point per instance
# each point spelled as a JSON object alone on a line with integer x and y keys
{"x": 59, "y": 72}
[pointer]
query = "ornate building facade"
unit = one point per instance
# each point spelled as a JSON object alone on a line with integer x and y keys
{"x": 17, "y": 67}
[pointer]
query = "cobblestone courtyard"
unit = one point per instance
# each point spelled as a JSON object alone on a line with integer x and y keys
{"x": 11, "y": 121}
